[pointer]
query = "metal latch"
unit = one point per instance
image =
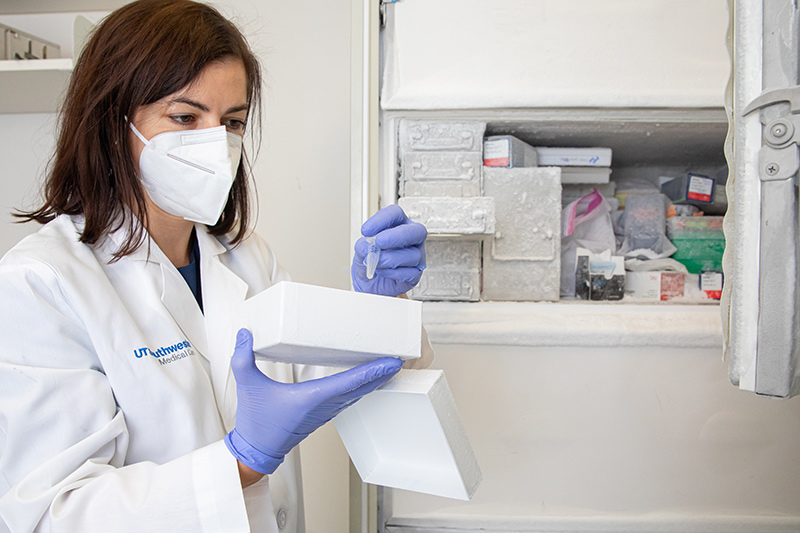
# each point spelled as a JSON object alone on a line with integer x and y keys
{"x": 779, "y": 157}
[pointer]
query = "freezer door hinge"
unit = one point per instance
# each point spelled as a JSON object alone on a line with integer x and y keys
{"x": 779, "y": 157}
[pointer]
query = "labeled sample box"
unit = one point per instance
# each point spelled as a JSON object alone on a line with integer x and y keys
{"x": 473, "y": 215}
{"x": 298, "y": 323}
{"x": 574, "y": 157}
{"x": 453, "y": 272}
{"x": 508, "y": 152}
{"x": 408, "y": 435}
{"x": 522, "y": 262}
{"x": 690, "y": 189}
{"x": 655, "y": 286}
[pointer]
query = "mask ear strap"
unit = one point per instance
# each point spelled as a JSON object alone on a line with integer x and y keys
{"x": 136, "y": 132}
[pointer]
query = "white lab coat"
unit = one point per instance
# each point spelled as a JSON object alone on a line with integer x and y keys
{"x": 95, "y": 436}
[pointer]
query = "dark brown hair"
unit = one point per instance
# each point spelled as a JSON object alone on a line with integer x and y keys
{"x": 139, "y": 54}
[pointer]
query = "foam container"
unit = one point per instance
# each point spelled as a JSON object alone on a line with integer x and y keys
{"x": 522, "y": 262}
{"x": 453, "y": 272}
{"x": 408, "y": 435}
{"x": 473, "y": 215}
{"x": 298, "y": 323}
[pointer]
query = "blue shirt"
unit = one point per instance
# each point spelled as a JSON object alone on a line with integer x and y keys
{"x": 191, "y": 272}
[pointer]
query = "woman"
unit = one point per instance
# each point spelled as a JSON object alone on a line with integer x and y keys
{"x": 121, "y": 407}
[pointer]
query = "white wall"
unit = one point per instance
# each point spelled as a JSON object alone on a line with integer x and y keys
{"x": 302, "y": 175}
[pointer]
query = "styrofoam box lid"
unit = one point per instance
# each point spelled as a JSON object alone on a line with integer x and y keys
{"x": 305, "y": 324}
{"x": 408, "y": 435}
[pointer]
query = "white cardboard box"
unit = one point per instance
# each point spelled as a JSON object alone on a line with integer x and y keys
{"x": 306, "y": 324}
{"x": 574, "y": 157}
{"x": 408, "y": 435}
{"x": 655, "y": 285}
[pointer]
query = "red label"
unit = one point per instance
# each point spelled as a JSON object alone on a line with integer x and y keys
{"x": 496, "y": 162}
{"x": 671, "y": 285}
{"x": 699, "y": 197}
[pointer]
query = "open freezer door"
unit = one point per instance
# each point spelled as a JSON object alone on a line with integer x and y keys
{"x": 760, "y": 301}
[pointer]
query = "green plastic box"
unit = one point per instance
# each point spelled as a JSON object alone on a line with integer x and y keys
{"x": 699, "y": 240}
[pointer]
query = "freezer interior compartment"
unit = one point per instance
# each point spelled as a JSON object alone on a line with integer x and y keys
{"x": 510, "y": 221}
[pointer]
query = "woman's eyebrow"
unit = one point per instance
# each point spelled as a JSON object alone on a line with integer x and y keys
{"x": 236, "y": 109}
{"x": 187, "y": 101}
{"x": 203, "y": 107}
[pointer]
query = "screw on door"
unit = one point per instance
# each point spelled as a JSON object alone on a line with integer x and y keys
{"x": 772, "y": 169}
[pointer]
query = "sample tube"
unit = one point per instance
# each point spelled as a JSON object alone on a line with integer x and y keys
{"x": 373, "y": 255}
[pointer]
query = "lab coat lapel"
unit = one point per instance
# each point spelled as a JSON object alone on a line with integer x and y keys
{"x": 223, "y": 291}
{"x": 176, "y": 295}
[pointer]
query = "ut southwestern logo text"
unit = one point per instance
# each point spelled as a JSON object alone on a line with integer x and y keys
{"x": 166, "y": 354}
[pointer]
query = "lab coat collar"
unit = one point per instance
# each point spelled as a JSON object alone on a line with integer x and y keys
{"x": 149, "y": 250}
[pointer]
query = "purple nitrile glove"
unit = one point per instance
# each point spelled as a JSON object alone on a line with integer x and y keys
{"x": 273, "y": 417}
{"x": 402, "y": 253}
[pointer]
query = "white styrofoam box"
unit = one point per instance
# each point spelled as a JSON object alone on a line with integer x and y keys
{"x": 574, "y": 157}
{"x": 407, "y": 435}
{"x": 427, "y": 135}
{"x": 298, "y": 323}
{"x": 585, "y": 175}
{"x": 453, "y": 272}
{"x": 471, "y": 215}
{"x": 523, "y": 260}
{"x": 509, "y": 152}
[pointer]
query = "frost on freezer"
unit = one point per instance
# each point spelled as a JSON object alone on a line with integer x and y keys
{"x": 453, "y": 272}
{"x": 522, "y": 261}
{"x": 445, "y": 215}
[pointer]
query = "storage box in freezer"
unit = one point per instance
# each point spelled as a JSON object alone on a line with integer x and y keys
{"x": 453, "y": 272}
{"x": 700, "y": 242}
{"x": 442, "y": 136}
{"x": 473, "y": 215}
{"x": 574, "y": 157}
{"x": 408, "y": 435}
{"x": 655, "y": 286}
{"x": 440, "y": 174}
{"x": 297, "y": 323}
{"x": 522, "y": 262}
{"x": 509, "y": 152}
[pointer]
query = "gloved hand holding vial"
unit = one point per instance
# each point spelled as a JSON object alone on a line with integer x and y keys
{"x": 390, "y": 257}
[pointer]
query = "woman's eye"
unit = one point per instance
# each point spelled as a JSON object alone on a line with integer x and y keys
{"x": 183, "y": 120}
{"x": 235, "y": 124}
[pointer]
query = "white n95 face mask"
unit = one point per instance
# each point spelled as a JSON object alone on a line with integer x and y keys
{"x": 189, "y": 173}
